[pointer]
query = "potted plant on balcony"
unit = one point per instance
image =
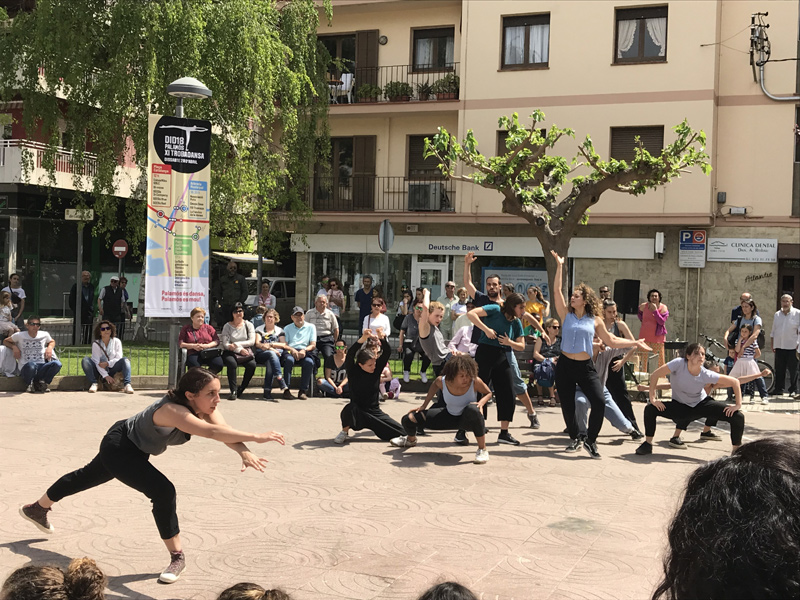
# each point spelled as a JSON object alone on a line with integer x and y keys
{"x": 368, "y": 92}
{"x": 398, "y": 91}
{"x": 446, "y": 88}
{"x": 424, "y": 91}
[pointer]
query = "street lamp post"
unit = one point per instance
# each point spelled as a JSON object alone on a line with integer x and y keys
{"x": 191, "y": 88}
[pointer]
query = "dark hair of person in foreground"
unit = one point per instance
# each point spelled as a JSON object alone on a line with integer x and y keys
{"x": 83, "y": 580}
{"x": 252, "y": 591}
{"x": 449, "y": 590}
{"x": 737, "y": 533}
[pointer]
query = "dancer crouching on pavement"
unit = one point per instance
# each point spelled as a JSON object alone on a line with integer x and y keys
{"x": 125, "y": 451}
{"x": 580, "y": 323}
{"x": 688, "y": 378}
{"x": 460, "y": 386}
{"x": 364, "y": 368}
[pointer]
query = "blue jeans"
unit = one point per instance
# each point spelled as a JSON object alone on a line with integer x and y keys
{"x": 32, "y": 371}
{"x": 329, "y": 391}
{"x": 307, "y": 365}
{"x": 272, "y": 362}
{"x": 613, "y": 413}
{"x": 518, "y": 384}
{"x": 123, "y": 365}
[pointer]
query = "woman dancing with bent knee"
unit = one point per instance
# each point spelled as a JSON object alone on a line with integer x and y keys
{"x": 125, "y": 451}
{"x": 580, "y": 323}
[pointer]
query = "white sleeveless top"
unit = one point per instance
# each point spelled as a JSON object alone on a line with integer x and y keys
{"x": 457, "y": 404}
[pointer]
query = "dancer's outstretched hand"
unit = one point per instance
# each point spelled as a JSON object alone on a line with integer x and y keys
{"x": 270, "y": 436}
{"x": 251, "y": 460}
{"x": 559, "y": 259}
{"x": 642, "y": 345}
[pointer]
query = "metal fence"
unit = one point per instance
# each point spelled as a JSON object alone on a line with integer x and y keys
{"x": 146, "y": 360}
{"x": 370, "y": 193}
{"x": 396, "y": 83}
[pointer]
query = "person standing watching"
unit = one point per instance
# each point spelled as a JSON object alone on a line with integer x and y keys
{"x": 363, "y": 299}
{"x": 784, "y": 340}
{"x": 126, "y": 308}
{"x": 448, "y": 300}
{"x": 653, "y": 315}
{"x": 110, "y": 302}
{"x": 86, "y": 307}
{"x": 231, "y": 288}
{"x": 327, "y": 327}
{"x": 33, "y": 349}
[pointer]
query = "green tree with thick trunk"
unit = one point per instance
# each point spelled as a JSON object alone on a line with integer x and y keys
{"x": 532, "y": 182}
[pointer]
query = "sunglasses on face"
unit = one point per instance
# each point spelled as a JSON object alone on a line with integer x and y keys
{"x": 340, "y": 347}
{"x": 236, "y": 312}
{"x": 105, "y": 329}
{"x": 35, "y": 324}
{"x": 418, "y": 308}
{"x": 377, "y": 305}
{"x": 555, "y": 326}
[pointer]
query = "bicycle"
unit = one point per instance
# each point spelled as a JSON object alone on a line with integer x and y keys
{"x": 769, "y": 380}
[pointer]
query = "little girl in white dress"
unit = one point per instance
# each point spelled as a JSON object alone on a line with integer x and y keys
{"x": 7, "y": 326}
{"x": 746, "y": 362}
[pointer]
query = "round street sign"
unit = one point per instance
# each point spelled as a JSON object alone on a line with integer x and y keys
{"x": 119, "y": 248}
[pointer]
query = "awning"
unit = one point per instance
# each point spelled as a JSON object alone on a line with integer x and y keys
{"x": 243, "y": 257}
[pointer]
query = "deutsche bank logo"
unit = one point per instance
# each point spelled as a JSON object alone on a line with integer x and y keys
{"x": 488, "y": 246}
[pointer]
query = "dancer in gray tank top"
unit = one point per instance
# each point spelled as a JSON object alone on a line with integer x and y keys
{"x": 189, "y": 410}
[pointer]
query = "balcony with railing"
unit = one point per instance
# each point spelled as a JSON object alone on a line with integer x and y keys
{"x": 370, "y": 193}
{"x": 395, "y": 84}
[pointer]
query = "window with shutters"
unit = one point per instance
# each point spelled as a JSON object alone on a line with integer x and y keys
{"x": 526, "y": 42}
{"x": 342, "y": 49}
{"x": 641, "y": 35}
{"x": 420, "y": 167}
{"x": 624, "y": 143}
{"x": 433, "y": 49}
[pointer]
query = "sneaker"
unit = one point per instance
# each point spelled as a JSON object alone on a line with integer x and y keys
{"x": 710, "y": 436}
{"x": 574, "y": 446}
{"x": 481, "y": 456}
{"x": 37, "y": 515}
{"x": 461, "y": 438}
{"x": 534, "y": 419}
{"x": 287, "y": 394}
{"x": 177, "y": 564}
{"x": 591, "y": 448}
{"x": 93, "y": 388}
{"x": 302, "y": 395}
{"x": 384, "y": 397}
{"x": 406, "y": 376}
{"x": 402, "y": 442}
{"x": 40, "y": 387}
{"x": 423, "y": 377}
{"x": 268, "y": 397}
{"x": 677, "y": 443}
{"x": 507, "y": 438}
{"x": 29, "y": 389}
{"x": 128, "y": 389}
{"x": 765, "y": 400}
{"x": 582, "y": 437}
{"x": 644, "y": 448}
{"x": 636, "y": 435}
{"x": 341, "y": 438}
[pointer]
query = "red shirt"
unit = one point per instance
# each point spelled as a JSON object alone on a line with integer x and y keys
{"x": 205, "y": 335}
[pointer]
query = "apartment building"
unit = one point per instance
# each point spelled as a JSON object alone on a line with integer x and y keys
{"x": 612, "y": 70}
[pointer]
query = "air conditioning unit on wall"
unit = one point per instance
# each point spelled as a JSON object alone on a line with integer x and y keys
{"x": 425, "y": 196}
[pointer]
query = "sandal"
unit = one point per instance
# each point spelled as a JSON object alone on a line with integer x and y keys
{"x": 552, "y": 402}
{"x": 540, "y": 402}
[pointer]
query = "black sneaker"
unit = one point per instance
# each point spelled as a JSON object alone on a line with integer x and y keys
{"x": 677, "y": 443}
{"x": 582, "y": 437}
{"x": 421, "y": 431}
{"x": 232, "y": 396}
{"x": 591, "y": 448}
{"x": 644, "y": 448}
{"x": 507, "y": 438}
{"x": 710, "y": 436}
{"x": 574, "y": 446}
{"x": 636, "y": 435}
{"x": 39, "y": 387}
{"x": 268, "y": 397}
{"x": 534, "y": 419}
{"x": 461, "y": 437}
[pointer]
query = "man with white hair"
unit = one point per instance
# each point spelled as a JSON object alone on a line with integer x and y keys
{"x": 785, "y": 337}
{"x": 448, "y": 300}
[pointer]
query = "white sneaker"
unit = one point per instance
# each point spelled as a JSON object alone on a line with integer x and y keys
{"x": 765, "y": 400}
{"x": 481, "y": 456}
{"x": 402, "y": 442}
{"x": 29, "y": 389}
{"x": 93, "y": 388}
{"x": 341, "y": 438}
{"x": 406, "y": 376}
{"x": 128, "y": 389}
{"x": 423, "y": 377}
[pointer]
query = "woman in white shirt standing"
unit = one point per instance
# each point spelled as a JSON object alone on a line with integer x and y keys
{"x": 376, "y": 319}
{"x": 107, "y": 359}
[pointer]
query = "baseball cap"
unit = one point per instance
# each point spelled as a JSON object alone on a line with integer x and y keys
{"x": 114, "y": 278}
{"x": 298, "y": 309}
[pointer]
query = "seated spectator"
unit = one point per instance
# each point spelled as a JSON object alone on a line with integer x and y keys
{"x": 449, "y": 590}
{"x": 237, "y": 340}
{"x": 252, "y": 591}
{"x": 737, "y": 533}
{"x": 301, "y": 341}
{"x": 107, "y": 359}
{"x": 201, "y": 343}
{"x": 462, "y": 342}
{"x": 8, "y": 364}
{"x": 390, "y": 385}
{"x": 258, "y": 318}
{"x": 270, "y": 345}
{"x": 33, "y": 350}
{"x": 83, "y": 580}
{"x": 7, "y": 325}
{"x": 334, "y": 384}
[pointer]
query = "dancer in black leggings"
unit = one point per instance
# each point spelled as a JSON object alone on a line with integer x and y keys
{"x": 125, "y": 451}
{"x": 364, "y": 367}
{"x": 615, "y": 381}
{"x": 580, "y": 323}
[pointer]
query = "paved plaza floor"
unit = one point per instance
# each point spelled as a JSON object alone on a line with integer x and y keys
{"x": 360, "y": 521}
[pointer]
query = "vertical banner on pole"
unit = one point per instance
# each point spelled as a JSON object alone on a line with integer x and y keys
{"x": 178, "y": 210}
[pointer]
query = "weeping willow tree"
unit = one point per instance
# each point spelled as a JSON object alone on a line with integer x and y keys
{"x": 95, "y": 69}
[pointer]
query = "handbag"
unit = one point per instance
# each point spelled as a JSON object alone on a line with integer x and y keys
{"x": 118, "y": 383}
{"x": 243, "y": 358}
{"x": 207, "y": 353}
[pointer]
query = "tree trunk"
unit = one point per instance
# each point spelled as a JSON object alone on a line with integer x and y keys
{"x": 140, "y": 331}
{"x": 559, "y": 243}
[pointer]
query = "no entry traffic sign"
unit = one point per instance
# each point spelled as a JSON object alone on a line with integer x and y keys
{"x": 119, "y": 248}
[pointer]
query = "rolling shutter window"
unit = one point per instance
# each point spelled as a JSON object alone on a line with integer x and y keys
{"x": 623, "y": 141}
